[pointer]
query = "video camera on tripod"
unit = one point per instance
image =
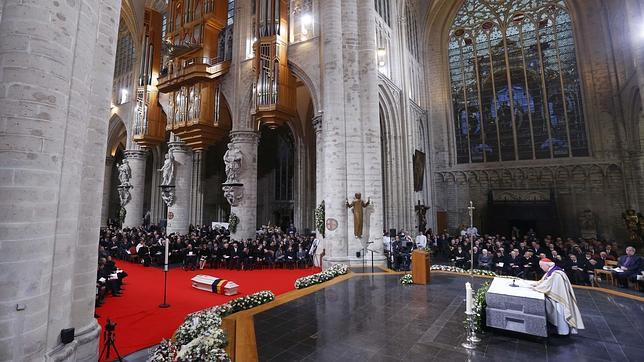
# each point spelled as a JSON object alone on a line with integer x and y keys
{"x": 109, "y": 335}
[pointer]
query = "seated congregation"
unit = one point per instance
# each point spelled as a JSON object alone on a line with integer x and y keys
{"x": 583, "y": 261}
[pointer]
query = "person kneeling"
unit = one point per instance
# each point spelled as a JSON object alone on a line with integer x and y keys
{"x": 561, "y": 304}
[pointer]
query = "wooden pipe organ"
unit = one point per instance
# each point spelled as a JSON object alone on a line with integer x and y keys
{"x": 198, "y": 43}
{"x": 274, "y": 86}
{"x": 149, "y": 120}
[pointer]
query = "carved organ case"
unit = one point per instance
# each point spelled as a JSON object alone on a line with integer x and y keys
{"x": 149, "y": 121}
{"x": 274, "y": 88}
{"x": 199, "y": 41}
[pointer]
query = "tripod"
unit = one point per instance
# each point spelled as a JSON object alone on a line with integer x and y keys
{"x": 109, "y": 336}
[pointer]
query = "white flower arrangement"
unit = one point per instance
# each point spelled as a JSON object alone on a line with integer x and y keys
{"x": 251, "y": 301}
{"x": 406, "y": 279}
{"x": 454, "y": 269}
{"x": 208, "y": 347}
{"x": 165, "y": 351}
{"x": 195, "y": 325}
{"x": 326, "y": 275}
{"x": 200, "y": 337}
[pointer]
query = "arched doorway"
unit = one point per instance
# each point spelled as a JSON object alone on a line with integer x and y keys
{"x": 276, "y": 177}
{"x": 116, "y": 141}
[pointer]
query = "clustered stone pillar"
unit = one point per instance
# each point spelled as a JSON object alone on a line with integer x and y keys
{"x": 246, "y": 209}
{"x": 351, "y": 132}
{"x": 56, "y": 65}
{"x": 179, "y": 212}
{"x": 635, "y": 18}
{"x": 134, "y": 208}
{"x": 319, "y": 161}
{"x": 333, "y": 138}
{"x": 196, "y": 214}
{"x": 107, "y": 185}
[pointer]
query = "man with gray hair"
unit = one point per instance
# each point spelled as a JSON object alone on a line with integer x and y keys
{"x": 629, "y": 266}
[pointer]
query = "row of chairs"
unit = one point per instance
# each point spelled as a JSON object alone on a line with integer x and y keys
{"x": 248, "y": 263}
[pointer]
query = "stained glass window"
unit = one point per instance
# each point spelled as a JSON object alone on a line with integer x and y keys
{"x": 515, "y": 85}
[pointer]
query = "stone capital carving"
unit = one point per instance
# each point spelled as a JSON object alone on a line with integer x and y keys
{"x": 244, "y": 137}
{"x": 233, "y": 192}
{"x": 136, "y": 154}
{"x": 178, "y": 146}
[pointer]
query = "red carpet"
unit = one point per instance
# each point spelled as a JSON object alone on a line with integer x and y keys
{"x": 141, "y": 323}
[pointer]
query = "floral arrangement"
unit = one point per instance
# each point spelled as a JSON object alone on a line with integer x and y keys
{"x": 198, "y": 324}
{"x": 200, "y": 337}
{"x": 461, "y": 270}
{"x": 251, "y": 301}
{"x": 208, "y": 347}
{"x": 479, "y": 307}
{"x": 406, "y": 279}
{"x": 326, "y": 275}
{"x": 319, "y": 218}
{"x": 165, "y": 351}
{"x": 233, "y": 221}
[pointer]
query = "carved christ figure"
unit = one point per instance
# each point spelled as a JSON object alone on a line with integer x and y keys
{"x": 358, "y": 205}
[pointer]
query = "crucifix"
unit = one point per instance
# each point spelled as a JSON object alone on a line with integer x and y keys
{"x": 471, "y": 212}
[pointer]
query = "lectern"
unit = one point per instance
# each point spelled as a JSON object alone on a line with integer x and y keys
{"x": 420, "y": 266}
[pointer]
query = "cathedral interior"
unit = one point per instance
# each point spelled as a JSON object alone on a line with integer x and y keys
{"x": 532, "y": 110}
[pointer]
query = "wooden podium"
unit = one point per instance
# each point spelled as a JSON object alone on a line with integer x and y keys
{"x": 420, "y": 266}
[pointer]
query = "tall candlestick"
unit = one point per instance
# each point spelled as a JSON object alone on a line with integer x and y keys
{"x": 167, "y": 252}
{"x": 468, "y": 297}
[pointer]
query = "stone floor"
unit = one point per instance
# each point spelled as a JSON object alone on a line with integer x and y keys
{"x": 375, "y": 318}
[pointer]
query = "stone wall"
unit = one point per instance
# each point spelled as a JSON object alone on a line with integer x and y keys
{"x": 57, "y": 62}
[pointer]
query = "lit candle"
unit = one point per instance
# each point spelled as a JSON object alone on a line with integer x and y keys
{"x": 468, "y": 297}
{"x": 167, "y": 252}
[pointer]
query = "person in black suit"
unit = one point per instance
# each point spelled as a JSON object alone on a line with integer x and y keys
{"x": 576, "y": 270}
{"x": 530, "y": 265}
{"x": 514, "y": 264}
{"x": 629, "y": 265}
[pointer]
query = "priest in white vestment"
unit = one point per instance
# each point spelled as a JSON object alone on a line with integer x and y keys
{"x": 561, "y": 304}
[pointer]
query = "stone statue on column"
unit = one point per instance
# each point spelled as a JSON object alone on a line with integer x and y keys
{"x": 357, "y": 205}
{"x": 233, "y": 161}
{"x": 167, "y": 179}
{"x": 125, "y": 173}
{"x": 167, "y": 170}
{"x": 233, "y": 189}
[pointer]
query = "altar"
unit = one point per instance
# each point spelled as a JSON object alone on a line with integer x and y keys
{"x": 516, "y": 307}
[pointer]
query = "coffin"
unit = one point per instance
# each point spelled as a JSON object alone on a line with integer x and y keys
{"x": 214, "y": 285}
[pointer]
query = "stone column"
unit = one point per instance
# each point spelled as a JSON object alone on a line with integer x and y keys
{"x": 334, "y": 165}
{"x": 370, "y": 135}
{"x": 157, "y": 207}
{"x": 179, "y": 212}
{"x": 319, "y": 162}
{"x": 635, "y": 18}
{"x": 134, "y": 208}
{"x": 56, "y": 65}
{"x": 246, "y": 208}
{"x": 196, "y": 214}
{"x": 107, "y": 186}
